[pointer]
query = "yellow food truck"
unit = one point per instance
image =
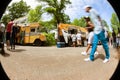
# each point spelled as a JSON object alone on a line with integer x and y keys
{"x": 30, "y": 34}
{"x": 64, "y": 31}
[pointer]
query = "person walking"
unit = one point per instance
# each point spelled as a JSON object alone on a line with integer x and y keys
{"x": 8, "y": 33}
{"x": 98, "y": 34}
{"x": 89, "y": 27}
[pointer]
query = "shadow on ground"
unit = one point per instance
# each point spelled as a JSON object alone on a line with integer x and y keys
{"x": 101, "y": 56}
{"x": 18, "y": 50}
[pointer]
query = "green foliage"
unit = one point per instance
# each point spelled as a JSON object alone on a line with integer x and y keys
{"x": 18, "y": 9}
{"x": 50, "y": 39}
{"x": 56, "y": 9}
{"x": 5, "y": 19}
{"x": 46, "y": 26}
{"x": 35, "y": 15}
{"x": 115, "y": 22}
{"x": 79, "y": 22}
{"x": 105, "y": 25}
{"x": 76, "y": 22}
{"x": 82, "y": 22}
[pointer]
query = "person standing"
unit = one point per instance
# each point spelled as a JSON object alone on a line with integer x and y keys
{"x": 114, "y": 38}
{"x": 2, "y": 39}
{"x": 78, "y": 36}
{"x": 118, "y": 38}
{"x": 2, "y": 51}
{"x": 73, "y": 36}
{"x": 98, "y": 34}
{"x": 13, "y": 35}
{"x": 8, "y": 33}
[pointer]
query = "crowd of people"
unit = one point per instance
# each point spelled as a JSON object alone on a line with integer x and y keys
{"x": 76, "y": 39}
{"x": 9, "y": 34}
{"x": 94, "y": 27}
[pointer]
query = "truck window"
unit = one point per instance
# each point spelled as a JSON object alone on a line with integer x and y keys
{"x": 32, "y": 30}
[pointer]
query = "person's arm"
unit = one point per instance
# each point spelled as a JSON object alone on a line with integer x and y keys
{"x": 91, "y": 25}
{"x": 99, "y": 18}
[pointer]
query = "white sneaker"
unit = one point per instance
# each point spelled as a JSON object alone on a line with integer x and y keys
{"x": 87, "y": 59}
{"x": 96, "y": 53}
{"x": 84, "y": 53}
{"x": 105, "y": 60}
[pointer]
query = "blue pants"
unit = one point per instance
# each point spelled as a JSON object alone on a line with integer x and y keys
{"x": 101, "y": 37}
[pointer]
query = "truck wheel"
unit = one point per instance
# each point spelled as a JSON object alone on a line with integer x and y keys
{"x": 38, "y": 43}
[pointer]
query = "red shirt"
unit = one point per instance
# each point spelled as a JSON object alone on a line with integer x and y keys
{"x": 9, "y": 26}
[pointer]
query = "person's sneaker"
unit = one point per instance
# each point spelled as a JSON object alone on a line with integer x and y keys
{"x": 105, "y": 60}
{"x": 87, "y": 59}
{"x": 96, "y": 53}
{"x": 84, "y": 53}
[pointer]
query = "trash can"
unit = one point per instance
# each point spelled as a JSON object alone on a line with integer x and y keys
{"x": 60, "y": 44}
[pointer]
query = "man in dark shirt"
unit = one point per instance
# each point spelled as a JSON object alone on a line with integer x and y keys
{"x": 13, "y": 35}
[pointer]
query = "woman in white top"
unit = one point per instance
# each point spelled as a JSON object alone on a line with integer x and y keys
{"x": 73, "y": 36}
{"x": 78, "y": 36}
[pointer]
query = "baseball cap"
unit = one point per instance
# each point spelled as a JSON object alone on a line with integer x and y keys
{"x": 86, "y": 6}
{"x": 86, "y": 17}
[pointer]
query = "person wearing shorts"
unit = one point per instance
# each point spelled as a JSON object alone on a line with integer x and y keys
{"x": 89, "y": 28}
{"x": 99, "y": 34}
{"x": 73, "y": 36}
{"x": 78, "y": 36}
{"x": 8, "y": 34}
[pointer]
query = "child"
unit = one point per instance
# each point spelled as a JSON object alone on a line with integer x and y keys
{"x": 78, "y": 36}
{"x": 73, "y": 36}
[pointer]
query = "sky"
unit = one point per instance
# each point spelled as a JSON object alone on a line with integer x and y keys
{"x": 75, "y": 10}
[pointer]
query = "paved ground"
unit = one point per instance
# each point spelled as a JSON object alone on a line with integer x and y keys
{"x": 51, "y": 63}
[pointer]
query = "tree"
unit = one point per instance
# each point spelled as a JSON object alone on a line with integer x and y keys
{"x": 76, "y": 22}
{"x": 35, "y": 15}
{"x": 82, "y": 22}
{"x": 47, "y": 26}
{"x": 115, "y": 22}
{"x": 105, "y": 24}
{"x": 56, "y": 9}
{"x": 18, "y": 9}
{"x": 5, "y": 19}
{"x": 79, "y": 22}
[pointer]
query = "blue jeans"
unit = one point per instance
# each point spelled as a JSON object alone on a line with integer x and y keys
{"x": 101, "y": 37}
